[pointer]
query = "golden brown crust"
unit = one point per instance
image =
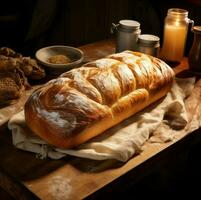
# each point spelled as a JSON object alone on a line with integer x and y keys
{"x": 84, "y": 102}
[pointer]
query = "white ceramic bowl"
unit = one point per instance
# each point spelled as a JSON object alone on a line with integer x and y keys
{"x": 76, "y": 56}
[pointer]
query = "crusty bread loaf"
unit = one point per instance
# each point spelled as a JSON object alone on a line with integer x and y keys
{"x": 84, "y": 102}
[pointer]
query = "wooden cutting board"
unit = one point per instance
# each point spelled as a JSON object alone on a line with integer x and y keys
{"x": 24, "y": 176}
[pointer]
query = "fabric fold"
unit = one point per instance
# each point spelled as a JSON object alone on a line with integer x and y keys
{"x": 125, "y": 139}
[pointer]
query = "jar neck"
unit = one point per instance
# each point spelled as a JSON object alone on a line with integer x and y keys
{"x": 156, "y": 45}
{"x": 196, "y": 30}
{"x": 128, "y": 29}
{"x": 177, "y": 13}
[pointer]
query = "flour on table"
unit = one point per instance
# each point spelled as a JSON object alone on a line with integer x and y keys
{"x": 59, "y": 188}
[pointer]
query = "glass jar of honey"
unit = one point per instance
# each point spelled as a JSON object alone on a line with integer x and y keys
{"x": 175, "y": 33}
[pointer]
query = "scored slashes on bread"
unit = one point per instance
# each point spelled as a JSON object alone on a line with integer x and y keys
{"x": 84, "y": 102}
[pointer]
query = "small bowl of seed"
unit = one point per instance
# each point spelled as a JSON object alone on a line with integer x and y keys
{"x": 59, "y": 58}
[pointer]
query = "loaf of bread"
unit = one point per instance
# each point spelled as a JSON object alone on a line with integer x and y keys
{"x": 84, "y": 102}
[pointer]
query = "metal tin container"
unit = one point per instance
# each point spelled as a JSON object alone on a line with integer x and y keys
{"x": 127, "y": 32}
{"x": 149, "y": 44}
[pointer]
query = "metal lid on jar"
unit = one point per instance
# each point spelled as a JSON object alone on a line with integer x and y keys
{"x": 178, "y": 12}
{"x": 147, "y": 39}
{"x": 129, "y": 24}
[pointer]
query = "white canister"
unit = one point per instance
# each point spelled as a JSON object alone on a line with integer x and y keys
{"x": 149, "y": 44}
{"x": 127, "y": 32}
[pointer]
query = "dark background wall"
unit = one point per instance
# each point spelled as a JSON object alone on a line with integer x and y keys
{"x": 27, "y": 25}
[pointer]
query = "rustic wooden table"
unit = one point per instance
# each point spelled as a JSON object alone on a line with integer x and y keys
{"x": 25, "y": 177}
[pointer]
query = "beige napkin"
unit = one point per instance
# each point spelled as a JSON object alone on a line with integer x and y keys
{"x": 122, "y": 141}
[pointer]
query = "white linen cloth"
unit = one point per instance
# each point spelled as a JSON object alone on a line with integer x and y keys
{"x": 122, "y": 141}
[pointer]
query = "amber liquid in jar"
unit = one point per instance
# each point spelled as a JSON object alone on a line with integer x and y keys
{"x": 175, "y": 33}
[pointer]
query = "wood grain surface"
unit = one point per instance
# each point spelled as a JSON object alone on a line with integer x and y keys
{"x": 70, "y": 177}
